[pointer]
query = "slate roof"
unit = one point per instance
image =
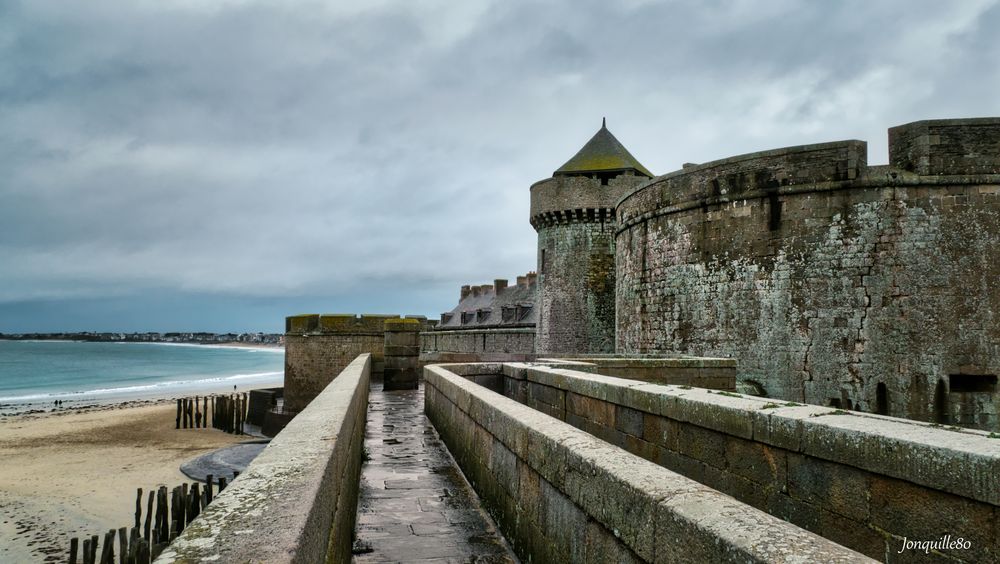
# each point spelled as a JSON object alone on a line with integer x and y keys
{"x": 483, "y": 308}
{"x": 602, "y": 153}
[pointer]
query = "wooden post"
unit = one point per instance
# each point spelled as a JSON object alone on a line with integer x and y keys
{"x": 74, "y": 544}
{"x": 183, "y": 508}
{"x": 195, "y": 501}
{"x": 138, "y": 505}
{"x": 208, "y": 489}
{"x": 158, "y": 516}
{"x": 86, "y": 551}
{"x": 178, "y": 414}
{"x": 222, "y": 483}
{"x": 175, "y": 512}
{"x": 133, "y": 547}
{"x": 134, "y": 537}
{"x": 206, "y": 412}
{"x": 162, "y": 516}
{"x": 122, "y": 545}
{"x": 108, "y": 550}
{"x": 93, "y": 549}
{"x": 156, "y": 550}
{"x": 149, "y": 514}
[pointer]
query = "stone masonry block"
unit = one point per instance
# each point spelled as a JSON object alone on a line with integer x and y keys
{"x": 393, "y": 325}
{"x": 628, "y": 421}
{"x": 401, "y": 350}
{"x": 834, "y": 487}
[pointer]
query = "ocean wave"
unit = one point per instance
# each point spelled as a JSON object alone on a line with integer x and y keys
{"x": 139, "y": 388}
{"x": 239, "y": 347}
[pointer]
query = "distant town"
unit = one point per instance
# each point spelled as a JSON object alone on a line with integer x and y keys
{"x": 275, "y": 339}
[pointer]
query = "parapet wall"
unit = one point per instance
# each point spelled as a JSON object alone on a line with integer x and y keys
{"x": 297, "y": 500}
{"x": 828, "y": 281}
{"x": 947, "y": 146}
{"x": 712, "y": 373}
{"x": 753, "y": 175}
{"x": 865, "y": 481}
{"x": 561, "y": 495}
{"x": 483, "y": 345}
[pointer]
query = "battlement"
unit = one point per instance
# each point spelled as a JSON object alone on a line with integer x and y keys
{"x": 567, "y": 199}
{"x": 946, "y": 146}
{"x": 337, "y": 323}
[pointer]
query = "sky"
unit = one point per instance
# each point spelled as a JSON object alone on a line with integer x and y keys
{"x": 217, "y": 165}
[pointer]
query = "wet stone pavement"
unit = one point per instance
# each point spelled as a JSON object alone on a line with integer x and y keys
{"x": 415, "y": 505}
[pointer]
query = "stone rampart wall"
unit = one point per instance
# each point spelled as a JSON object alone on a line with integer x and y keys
{"x": 865, "y": 481}
{"x": 297, "y": 500}
{"x": 561, "y": 495}
{"x": 829, "y": 282}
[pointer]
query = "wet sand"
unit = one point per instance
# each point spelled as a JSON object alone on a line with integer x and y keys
{"x": 74, "y": 473}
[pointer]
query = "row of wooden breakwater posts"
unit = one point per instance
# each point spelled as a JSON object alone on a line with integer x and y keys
{"x": 228, "y": 412}
{"x": 143, "y": 544}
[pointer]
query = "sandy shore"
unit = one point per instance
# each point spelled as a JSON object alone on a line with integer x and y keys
{"x": 75, "y": 473}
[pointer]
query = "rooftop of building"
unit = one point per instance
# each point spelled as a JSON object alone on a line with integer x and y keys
{"x": 603, "y": 153}
{"x": 494, "y": 306}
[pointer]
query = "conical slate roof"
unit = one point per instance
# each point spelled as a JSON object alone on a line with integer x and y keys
{"x": 602, "y": 153}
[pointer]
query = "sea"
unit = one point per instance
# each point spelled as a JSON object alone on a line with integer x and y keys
{"x": 34, "y": 375}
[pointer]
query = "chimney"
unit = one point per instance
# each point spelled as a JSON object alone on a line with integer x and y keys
{"x": 475, "y": 291}
{"x": 486, "y": 289}
{"x": 499, "y": 284}
{"x": 465, "y": 292}
{"x": 522, "y": 281}
{"x": 532, "y": 278}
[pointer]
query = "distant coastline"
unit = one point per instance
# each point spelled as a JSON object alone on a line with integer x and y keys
{"x": 58, "y": 371}
{"x": 193, "y": 338}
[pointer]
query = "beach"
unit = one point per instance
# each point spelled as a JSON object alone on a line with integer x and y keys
{"x": 74, "y": 473}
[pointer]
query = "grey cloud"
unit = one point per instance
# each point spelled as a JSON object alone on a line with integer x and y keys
{"x": 284, "y": 150}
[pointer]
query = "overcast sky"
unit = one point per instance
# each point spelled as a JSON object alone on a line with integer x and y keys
{"x": 218, "y": 165}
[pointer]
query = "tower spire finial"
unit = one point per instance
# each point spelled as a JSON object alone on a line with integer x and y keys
{"x": 604, "y": 123}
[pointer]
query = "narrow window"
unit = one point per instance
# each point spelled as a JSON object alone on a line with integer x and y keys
{"x": 774, "y": 205}
{"x": 541, "y": 266}
{"x": 881, "y": 399}
{"x": 941, "y": 403}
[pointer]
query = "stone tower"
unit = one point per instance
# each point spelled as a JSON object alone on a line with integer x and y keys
{"x": 574, "y": 215}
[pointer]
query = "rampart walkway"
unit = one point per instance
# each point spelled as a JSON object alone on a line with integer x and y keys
{"x": 415, "y": 505}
